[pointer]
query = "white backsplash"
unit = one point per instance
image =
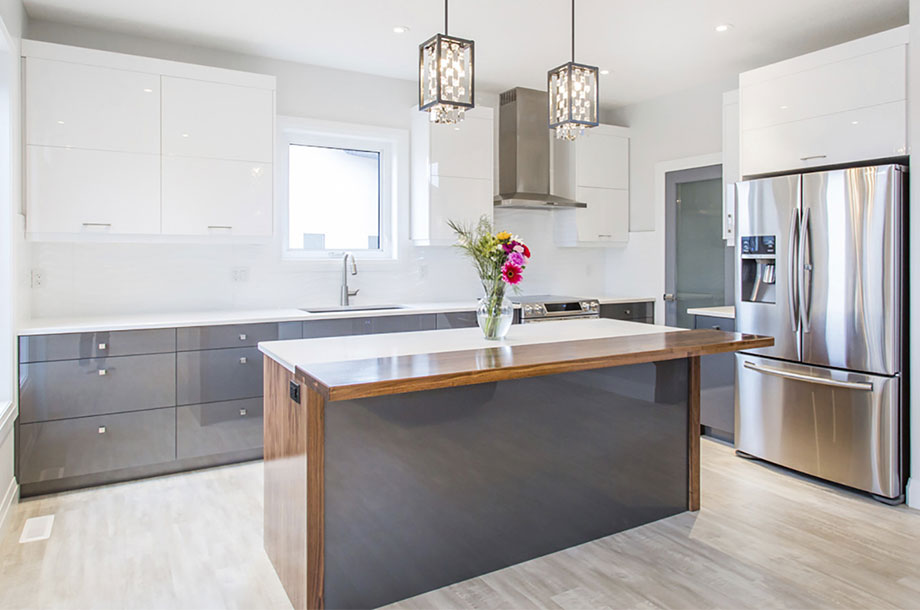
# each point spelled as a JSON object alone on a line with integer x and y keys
{"x": 109, "y": 278}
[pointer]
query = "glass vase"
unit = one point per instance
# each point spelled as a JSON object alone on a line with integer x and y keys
{"x": 495, "y": 314}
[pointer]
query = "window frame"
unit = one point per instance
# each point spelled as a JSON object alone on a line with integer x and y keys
{"x": 391, "y": 144}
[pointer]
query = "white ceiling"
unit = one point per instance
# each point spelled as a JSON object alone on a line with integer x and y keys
{"x": 651, "y": 47}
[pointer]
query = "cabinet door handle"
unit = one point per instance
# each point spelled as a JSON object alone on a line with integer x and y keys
{"x": 716, "y": 327}
{"x": 103, "y": 372}
{"x": 812, "y": 157}
{"x": 102, "y": 346}
{"x": 101, "y": 430}
{"x": 242, "y": 412}
{"x": 221, "y": 227}
{"x": 242, "y": 337}
{"x": 628, "y": 312}
{"x": 243, "y": 360}
{"x": 97, "y": 224}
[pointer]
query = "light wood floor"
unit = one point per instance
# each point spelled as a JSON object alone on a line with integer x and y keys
{"x": 764, "y": 538}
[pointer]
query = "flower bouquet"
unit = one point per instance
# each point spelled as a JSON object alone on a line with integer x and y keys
{"x": 500, "y": 260}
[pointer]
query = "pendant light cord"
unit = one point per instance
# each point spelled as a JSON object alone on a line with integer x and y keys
{"x": 573, "y": 31}
{"x": 445, "y": 17}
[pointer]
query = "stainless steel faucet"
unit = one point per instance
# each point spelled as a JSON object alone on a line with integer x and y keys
{"x": 346, "y": 293}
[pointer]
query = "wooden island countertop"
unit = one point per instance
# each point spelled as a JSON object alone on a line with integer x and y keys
{"x": 395, "y": 464}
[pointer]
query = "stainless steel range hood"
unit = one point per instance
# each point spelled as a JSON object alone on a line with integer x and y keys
{"x": 523, "y": 153}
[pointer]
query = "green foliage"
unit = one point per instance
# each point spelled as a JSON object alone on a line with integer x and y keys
{"x": 481, "y": 245}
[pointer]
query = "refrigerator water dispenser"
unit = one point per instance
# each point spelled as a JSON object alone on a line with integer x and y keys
{"x": 758, "y": 268}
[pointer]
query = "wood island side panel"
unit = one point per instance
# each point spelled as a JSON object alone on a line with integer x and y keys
{"x": 285, "y": 491}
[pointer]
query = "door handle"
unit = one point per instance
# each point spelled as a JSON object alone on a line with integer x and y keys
{"x": 669, "y": 298}
{"x": 769, "y": 370}
{"x": 804, "y": 295}
{"x": 792, "y": 268}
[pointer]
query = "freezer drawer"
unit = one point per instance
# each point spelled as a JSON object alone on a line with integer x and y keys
{"x": 840, "y": 426}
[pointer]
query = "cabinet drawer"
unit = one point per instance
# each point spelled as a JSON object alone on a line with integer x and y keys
{"x": 41, "y": 348}
{"x": 234, "y": 335}
{"x": 218, "y": 427}
{"x": 712, "y": 322}
{"x": 88, "y": 445}
{"x": 219, "y": 374}
{"x": 627, "y": 311}
{"x": 366, "y": 326}
{"x": 459, "y": 319}
{"x": 402, "y": 324}
{"x": 76, "y": 388}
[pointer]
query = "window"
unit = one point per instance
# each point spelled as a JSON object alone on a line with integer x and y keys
{"x": 338, "y": 187}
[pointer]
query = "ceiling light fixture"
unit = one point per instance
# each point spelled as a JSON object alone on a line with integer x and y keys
{"x": 445, "y": 76}
{"x": 400, "y": 29}
{"x": 572, "y": 95}
{"x": 724, "y": 27}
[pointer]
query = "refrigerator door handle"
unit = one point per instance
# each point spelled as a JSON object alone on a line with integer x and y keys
{"x": 803, "y": 268}
{"x": 769, "y": 370}
{"x": 793, "y": 269}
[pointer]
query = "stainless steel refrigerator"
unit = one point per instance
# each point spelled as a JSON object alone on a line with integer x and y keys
{"x": 819, "y": 266}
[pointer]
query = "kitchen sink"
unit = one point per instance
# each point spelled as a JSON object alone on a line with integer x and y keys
{"x": 351, "y": 308}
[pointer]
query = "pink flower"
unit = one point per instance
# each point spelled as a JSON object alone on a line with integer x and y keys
{"x": 516, "y": 258}
{"x": 511, "y": 273}
{"x": 518, "y": 247}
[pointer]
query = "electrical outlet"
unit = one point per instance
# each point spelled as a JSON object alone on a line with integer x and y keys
{"x": 240, "y": 274}
{"x": 38, "y": 278}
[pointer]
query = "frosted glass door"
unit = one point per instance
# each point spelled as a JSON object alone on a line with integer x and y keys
{"x": 700, "y": 251}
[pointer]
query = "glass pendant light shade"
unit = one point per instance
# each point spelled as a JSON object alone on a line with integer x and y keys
{"x": 572, "y": 99}
{"x": 573, "y": 95}
{"x": 445, "y": 76}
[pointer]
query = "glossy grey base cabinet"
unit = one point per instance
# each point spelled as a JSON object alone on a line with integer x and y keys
{"x": 456, "y": 319}
{"x": 717, "y": 385}
{"x": 368, "y": 326}
{"x": 88, "y": 445}
{"x": 631, "y": 312}
{"x": 218, "y": 427}
{"x": 77, "y": 388}
{"x": 218, "y": 374}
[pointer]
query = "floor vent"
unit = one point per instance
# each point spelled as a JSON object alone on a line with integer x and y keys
{"x": 37, "y": 528}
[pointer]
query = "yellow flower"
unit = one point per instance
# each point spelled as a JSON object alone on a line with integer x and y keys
{"x": 503, "y": 236}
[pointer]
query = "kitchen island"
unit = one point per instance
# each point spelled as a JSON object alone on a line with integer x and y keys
{"x": 399, "y": 464}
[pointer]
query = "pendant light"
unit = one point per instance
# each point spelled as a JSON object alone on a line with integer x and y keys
{"x": 445, "y": 76}
{"x": 572, "y": 95}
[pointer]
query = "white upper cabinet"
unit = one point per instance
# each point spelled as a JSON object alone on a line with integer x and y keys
{"x": 87, "y": 192}
{"x": 217, "y": 120}
{"x": 132, "y": 146}
{"x": 843, "y": 104}
{"x": 452, "y": 177}
{"x": 216, "y": 197}
{"x": 78, "y": 106}
{"x": 594, "y": 169}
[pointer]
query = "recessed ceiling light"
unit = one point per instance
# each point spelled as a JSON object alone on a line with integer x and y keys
{"x": 400, "y": 29}
{"x": 148, "y": 90}
{"x": 724, "y": 27}
{"x": 60, "y": 122}
{"x": 855, "y": 122}
{"x": 784, "y": 107}
{"x": 185, "y": 135}
{"x": 605, "y": 72}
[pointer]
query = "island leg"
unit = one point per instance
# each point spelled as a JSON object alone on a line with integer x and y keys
{"x": 693, "y": 430}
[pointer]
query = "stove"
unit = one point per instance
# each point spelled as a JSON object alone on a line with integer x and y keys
{"x": 552, "y": 308}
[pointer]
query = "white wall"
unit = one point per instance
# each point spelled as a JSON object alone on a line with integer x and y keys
{"x": 99, "y": 279}
{"x": 663, "y": 130}
{"x": 913, "y": 118}
{"x": 11, "y": 226}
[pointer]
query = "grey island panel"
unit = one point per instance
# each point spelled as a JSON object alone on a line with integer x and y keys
{"x": 433, "y": 487}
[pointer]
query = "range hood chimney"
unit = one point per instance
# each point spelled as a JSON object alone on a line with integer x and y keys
{"x": 523, "y": 153}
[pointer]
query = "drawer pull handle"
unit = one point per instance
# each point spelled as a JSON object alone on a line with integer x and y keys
{"x": 242, "y": 337}
{"x": 628, "y": 312}
{"x": 243, "y": 360}
{"x": 223, "y": 227}
{"x": 813, "y": 157}
{"x": 242, "y": 412}
{"x": 101, "y": 430}
{"x": 102, "y": 346}
{"x": 103, "y": 372}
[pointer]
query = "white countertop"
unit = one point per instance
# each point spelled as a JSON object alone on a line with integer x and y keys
{"x": 300, "y": 352}
{"x": 50, "y": 326}
{"x": 724, "y": 311}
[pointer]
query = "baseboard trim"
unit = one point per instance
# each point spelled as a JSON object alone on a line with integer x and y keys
{"x": 9, "y": 499}
{"x": 913, "y": 494}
